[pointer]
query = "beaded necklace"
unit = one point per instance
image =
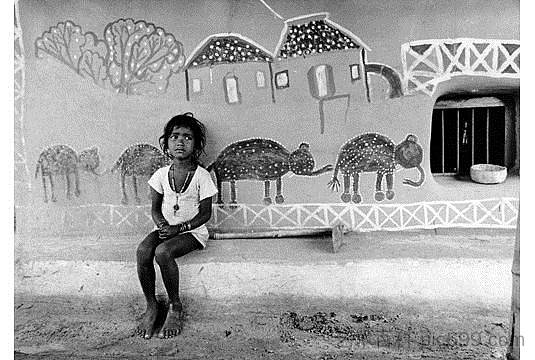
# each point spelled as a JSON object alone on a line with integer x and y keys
{"x": 176, "y": 207}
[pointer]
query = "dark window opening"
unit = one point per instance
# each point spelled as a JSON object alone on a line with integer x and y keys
{"x": 471, "y": 131}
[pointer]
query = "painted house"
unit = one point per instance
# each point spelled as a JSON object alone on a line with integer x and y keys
{"x": 230, "y": 67}
{"x": 318, "y": 55}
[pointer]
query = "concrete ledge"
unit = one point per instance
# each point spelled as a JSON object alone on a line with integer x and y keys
{"x": 465, "y": 266}
{"x": 468, "y": 280}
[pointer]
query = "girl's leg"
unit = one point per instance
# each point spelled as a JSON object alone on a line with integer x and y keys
{"x": 147, "y": 278}
{"x": 165, "y": 256}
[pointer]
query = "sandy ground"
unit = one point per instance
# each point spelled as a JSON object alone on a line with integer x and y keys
{"x": 58, "y": 322}
{"x": 262, "y": 328}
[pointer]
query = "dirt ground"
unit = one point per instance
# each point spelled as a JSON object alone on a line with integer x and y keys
{"x": 262, "y": 328}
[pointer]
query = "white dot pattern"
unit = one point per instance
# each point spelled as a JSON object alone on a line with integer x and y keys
{"x": 369, "y": 152}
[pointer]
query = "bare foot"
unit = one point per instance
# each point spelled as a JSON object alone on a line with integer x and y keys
{"x": 145, "y": 327}
{"x": 173, "y": 322}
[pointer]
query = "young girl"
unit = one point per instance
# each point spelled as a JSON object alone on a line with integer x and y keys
{"x": 181, "y": 205}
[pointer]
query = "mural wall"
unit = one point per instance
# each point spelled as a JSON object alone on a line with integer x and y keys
{"x": 291, "y": 104}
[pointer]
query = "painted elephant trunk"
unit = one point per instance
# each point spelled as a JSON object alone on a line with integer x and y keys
{"x": 416, "y": 183}
{"x": 301, "y": 162}
{"x": 316, "y": 172}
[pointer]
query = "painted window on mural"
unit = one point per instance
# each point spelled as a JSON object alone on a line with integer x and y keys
{"x": 355, "y": 72}
{"x": 260, "y": 79}
{"x": 232, "y": 92}
{"x": 321, "y": 81}
{"x": 282, "y": 80}
{"x": 468, "y": 132}
{"x": 196, "y": 85}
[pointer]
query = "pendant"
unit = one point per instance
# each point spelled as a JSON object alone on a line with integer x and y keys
{"x": 176, "y": 207}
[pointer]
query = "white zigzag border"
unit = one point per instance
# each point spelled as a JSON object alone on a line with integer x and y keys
{"x": 484, "y": 213}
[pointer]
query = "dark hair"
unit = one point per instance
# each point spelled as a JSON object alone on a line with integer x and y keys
{"x": 188, "y": 121}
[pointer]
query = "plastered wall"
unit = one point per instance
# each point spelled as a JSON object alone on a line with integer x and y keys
{"x": 63, "y": 105}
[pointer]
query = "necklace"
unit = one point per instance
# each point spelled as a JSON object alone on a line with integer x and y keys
{"x": 176, "y": 207}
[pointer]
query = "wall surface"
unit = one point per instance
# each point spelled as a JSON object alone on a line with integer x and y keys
{"x": 81, "y": 90}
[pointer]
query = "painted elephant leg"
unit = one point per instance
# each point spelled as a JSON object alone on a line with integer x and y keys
{"x": 379, "y": 194}
{"x": 134, "y": 184}
{"x": 267, "y": 197}
{"x": 279, "y": 199}
{"x": 76, "y": 183}
{"x": 52, "y": 193}
{"x": 233, "y": 192}
{"x": 68, "y": 185}
{"x": 124, "y": 199}
{"x": 346, "y": 197}
{"x": 219, "y": 192}
{"x": 389, "y": 186}
{"x": 44, "y": 184}
{"x": 356, "y": 196}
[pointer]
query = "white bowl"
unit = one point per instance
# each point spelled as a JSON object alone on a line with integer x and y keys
{"x": 488, "y": 173}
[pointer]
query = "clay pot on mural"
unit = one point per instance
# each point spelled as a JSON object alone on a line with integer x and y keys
{"x": 376, "y": 153}
{"x": 264, "y": 160}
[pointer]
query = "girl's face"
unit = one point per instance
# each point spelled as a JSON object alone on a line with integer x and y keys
{"x": 181, "y": 143}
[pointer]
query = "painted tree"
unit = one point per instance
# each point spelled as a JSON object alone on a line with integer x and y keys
{"x": 81, "y": 51}
{"x": 141, "y": 57}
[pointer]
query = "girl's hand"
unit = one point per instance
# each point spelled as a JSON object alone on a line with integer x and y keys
{"x": 167, "y": 231}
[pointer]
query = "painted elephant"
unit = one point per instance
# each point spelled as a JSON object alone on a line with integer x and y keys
{"x": 376, "y": 153}
{"x": 264, "y": 160}
{"x": 138, "y": 160}
{"x": 63, "y": 160}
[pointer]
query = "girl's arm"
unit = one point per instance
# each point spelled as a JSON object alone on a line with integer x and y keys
{"x": 156, "y": 208}
{"x": 205, "y": 213}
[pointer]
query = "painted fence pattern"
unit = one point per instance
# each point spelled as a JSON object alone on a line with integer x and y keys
{"x": 486, "y": 213}
{"x": 429, "y": 62}
{"x": 21, "y": 172}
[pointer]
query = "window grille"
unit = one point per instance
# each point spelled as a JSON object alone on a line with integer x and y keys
{"x": 468, "y": 132}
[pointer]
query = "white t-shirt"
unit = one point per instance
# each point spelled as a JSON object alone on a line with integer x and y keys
{"x": 200, "y": 187}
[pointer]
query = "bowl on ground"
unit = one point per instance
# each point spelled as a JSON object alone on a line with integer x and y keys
{"x": 488, "y": 173}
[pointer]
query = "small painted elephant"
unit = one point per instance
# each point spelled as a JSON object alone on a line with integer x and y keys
{"x": 63, "y": 160}
{"x": 138, "y": 160}
{"x": 376, "y": 153}
{"x": 264, "y": 160}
